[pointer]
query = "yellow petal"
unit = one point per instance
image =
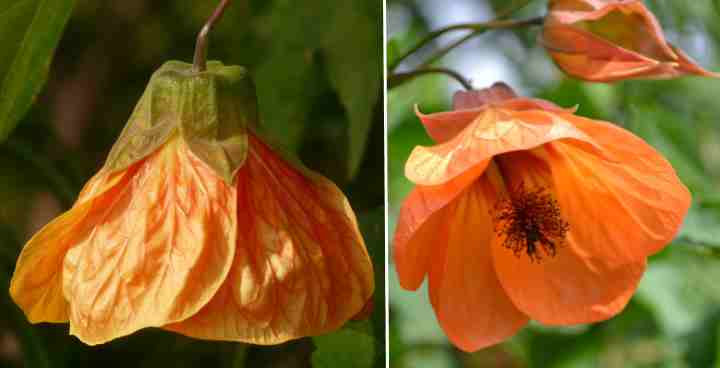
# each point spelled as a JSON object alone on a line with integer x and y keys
{"x": 300, "y": 268}
{"x": 36, "y": 283}
{"x": 159, "y": 250}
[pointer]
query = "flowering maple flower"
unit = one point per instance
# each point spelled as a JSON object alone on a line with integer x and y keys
{"x": 524, "y": 210}
{"x": 611, "y": 40}
{"x": 197, "y": 226}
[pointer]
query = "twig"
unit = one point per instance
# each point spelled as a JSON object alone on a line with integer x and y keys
{"x": 428, "y": 38}
{"x": 493, "y": 25}
{"x": 477, "y": 28}
{"x": 397, "y": 79}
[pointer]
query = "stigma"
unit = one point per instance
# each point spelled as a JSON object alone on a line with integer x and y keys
{"x": 529, "y": 221}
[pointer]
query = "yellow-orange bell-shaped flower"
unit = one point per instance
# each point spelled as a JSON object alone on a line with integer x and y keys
{"x": 197, "y": 226}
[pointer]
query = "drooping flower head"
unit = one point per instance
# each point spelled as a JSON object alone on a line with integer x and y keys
{"x": 195, "y": 225}
{"x": 524, "y": 210}
{"x": 611, "y": 40}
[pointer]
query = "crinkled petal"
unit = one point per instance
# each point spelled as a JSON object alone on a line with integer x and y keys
{"x": 607, "y": 41}
{"x": 471, "y": 305}
{"x": 301, "y": 267}
{"x": 159, "y": 249}
{"x": 524, "y": 103}
{"x": 579, "y": 284}
{"x": 569, "y": 288}
{"x": 494, "y": 94}
{"x": 688, "y": 65}
{"x": 627, "y": 24}
{"x": 586, "y": 56}
{"x": 416, "y": 233}
{"x": 443, "y": 126}
{"x": 623, "y": 208}
{"x": 36, "y": 285}
{"x": 492, "y": 133}
{"x": 467, "y": 105}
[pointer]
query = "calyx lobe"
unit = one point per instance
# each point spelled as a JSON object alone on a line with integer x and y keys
{"x": 210, "y": 110}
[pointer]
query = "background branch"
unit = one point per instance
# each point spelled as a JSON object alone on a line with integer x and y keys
{"x": 478, "y": 31}
{"x": 397, "y": 79}
{"x": 477, "y": 28}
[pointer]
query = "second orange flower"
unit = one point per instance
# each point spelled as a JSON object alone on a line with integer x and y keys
{"x": 612, "y": 40}
{"x": 524, "y": 210}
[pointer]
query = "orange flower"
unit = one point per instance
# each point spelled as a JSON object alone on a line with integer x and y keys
{"x": 195, "y": 225}
{"x": 611, "y": 40}
{"x": 524, "y": 210}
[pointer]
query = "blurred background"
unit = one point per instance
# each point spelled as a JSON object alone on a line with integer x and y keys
{"x": 674, "y": 318}
{"x": 318, "y": 71}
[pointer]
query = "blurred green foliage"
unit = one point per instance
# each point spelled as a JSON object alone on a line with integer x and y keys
{"x": 318, "y": 73}
{"x": 29, "y": 32}
{"x": 674, "y": 318}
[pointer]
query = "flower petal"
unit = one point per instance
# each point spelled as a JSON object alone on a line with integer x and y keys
{"x": 635, "y": 192}
{"x": 626, "y": 24}
{"x": 443, "y": 126}
{"x": 569, "y": 288}
{"x": 606, "y": 41}
{"x": 586, "y": 56}
{"x": 36, "y": 285}
{"x": 159, "y": 250}
{"x": 300, "y": 268}
{"x": 494, "y": 94}
{"x": 416, "y": 233}
{"x": 467, "y": 105}
{"x": 578, "y": 284}
{"x": 688, "y": 65}
{"x": 469, "y": 301}
{"x": 493, "y": 132}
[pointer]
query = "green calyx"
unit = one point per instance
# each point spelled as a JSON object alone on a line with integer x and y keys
{"x": 210, "y": 110}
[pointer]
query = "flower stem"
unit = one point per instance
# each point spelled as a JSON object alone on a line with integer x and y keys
{"x": 429, "y": 38}
{"x": 397, "y": 79}
{"x": 501, "y": 24}
{"x": 477, "y": 28}
{"x": 201, "y": 45}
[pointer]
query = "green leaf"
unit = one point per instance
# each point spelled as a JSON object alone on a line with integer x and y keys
{"x": 681, "y": 289}
{"x": 29, "y": 33}
{"x": 393, "y": 51}
{"x": 350, "y": 347}
{"x": 670, "y": 134}
{"x": 717, "y": 355}
{"x": 702, "y": 226}
{"x": 286, "y": 80}
{"x": 353, "y": 50}
{"x": 372, "y": 226}
{"x": 285, "y": 91}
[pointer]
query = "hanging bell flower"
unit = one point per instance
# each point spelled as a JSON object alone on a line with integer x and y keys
{"x": 612, "y": 40}
{"x": 524, "y": 210}
{"x": 196, "y": 225}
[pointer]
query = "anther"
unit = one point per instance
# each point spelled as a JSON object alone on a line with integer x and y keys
{"x": 530, "y": 222}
